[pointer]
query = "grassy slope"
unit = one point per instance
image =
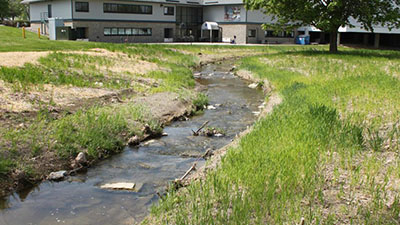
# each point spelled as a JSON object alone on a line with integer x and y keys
{"x": 328, "y": 153}
{"x": 11, "y": 40}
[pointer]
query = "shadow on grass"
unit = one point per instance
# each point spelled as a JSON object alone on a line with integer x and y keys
{"x": 365, "y": 53}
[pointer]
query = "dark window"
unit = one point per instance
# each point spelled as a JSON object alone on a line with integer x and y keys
{"x": 168, "y": 32}
{"x": 49, "y": 13}
{"x": 252, "y": 33}
{"x": 271, "y": 33}
{"x": 169, "y": 10}
{"x": 127, "y": 31}
{"x": 81, "y": 6}
{"x": 127, "y": 8}
{"x": 189, "y": 16}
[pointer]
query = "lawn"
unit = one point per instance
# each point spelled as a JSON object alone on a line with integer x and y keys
{"x": 328, "y": 154}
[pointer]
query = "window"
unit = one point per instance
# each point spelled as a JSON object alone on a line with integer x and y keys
{"x": 49, "y": 12}
{"x": 252, "y": 33}
{"x": 127, "y": 8}
{"x": 121, "y": 31}
{"x": 168, "y": 32}
{"x": 127, "y": 31}
{"x": 81, "y": 6}
{"x": 107, "y": 31}
{"x": 169, "y": 10}
{"x": 271, "y": 33}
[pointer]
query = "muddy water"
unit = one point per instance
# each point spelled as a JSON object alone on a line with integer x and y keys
{"x": 79, "y": 200}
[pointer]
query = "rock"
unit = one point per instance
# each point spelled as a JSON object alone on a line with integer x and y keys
{"x": 59, "y": 175}
{"x": 253, "y": 85}
{"x": 218, "y": 105}
{"x": 256, "y": 113}
{"x": 218, "y": 135}
{"x": 135, "y": 140}
{"x": 211, "y": 107}
{"x": 144, "y": 165}
{"x": 81, "y": 158}
{"x": 148, "y": 142}
{"x": 119, "y": 186}
{"x": 164, "y": 134}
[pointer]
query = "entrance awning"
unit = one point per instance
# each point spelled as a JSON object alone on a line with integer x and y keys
{"x": 210, "y": 26}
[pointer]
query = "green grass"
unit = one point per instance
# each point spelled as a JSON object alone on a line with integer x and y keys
{"x": 316, "y": 155}
{"x": 11, "y": 40}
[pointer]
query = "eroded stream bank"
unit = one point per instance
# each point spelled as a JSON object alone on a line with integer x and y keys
{"x": 79, "y": 199}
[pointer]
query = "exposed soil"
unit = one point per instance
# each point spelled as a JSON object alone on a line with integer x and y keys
{"x": 11, "y": 59}
{"x": 121, "y": 62}
{"x": 58, "y": 96}
{"x": 165, "y": 107}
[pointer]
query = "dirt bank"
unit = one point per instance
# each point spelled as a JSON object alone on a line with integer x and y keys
{"x": 164, "y": 107}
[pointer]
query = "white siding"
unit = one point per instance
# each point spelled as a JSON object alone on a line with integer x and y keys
{"x": 60, "y": 8}
{"x": 257, "y": 16}
{"x": 216, "y": 13}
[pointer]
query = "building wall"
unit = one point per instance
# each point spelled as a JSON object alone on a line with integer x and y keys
{"x": 259, "y": 34}
{"x": 216, "y": 13}
{"x": 96, "y": 12}
{"x": 60, "y": 8}
{"x": 257, "y": 16}
{"x": 231, "y": 30}
{"x": 96, "y": 29}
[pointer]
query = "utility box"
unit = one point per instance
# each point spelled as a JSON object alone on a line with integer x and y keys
{"x": 53, "y": 24}
{"x": 303, "y": 40}
{"x": 64, "y": 33}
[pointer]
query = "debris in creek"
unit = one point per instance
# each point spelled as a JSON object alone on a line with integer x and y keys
{"x": 196, "y": 133}
{"x": 212, "y": 132}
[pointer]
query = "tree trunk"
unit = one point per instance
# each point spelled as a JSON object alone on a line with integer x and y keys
{"x": 333, "y": 47}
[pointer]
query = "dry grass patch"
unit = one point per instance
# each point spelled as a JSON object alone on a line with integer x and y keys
{"x": 11, "y": 59}
{"x": 57, "y": 96}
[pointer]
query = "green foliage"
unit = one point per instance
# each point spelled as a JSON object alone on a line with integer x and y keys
{"x": 5, "y": 166}
{"x": 200, "y": 101}
{"x": 328, "y": 16}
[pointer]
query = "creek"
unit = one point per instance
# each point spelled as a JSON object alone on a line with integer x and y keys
{"x": 152, "y": 165}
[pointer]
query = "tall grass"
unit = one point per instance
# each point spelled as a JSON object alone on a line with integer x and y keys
{"x": 316, "y": 143}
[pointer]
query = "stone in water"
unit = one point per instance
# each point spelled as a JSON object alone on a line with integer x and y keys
{"x": 119, "y": 186}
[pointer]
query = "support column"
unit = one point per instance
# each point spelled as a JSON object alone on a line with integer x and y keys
{"x": 377, "y": 39}
{"x": 338, "y": 39}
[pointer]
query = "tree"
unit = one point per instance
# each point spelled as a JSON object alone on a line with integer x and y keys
{"x": 329, "y": 15}
{"x": 16, "y": 9}
{"x": 4, "y": 8}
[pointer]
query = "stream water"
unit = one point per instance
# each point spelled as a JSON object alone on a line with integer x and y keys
{"x": 152, "y": 165}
